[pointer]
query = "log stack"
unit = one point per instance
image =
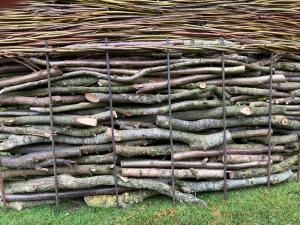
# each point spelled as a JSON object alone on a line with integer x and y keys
{"x": 85, "y": 159}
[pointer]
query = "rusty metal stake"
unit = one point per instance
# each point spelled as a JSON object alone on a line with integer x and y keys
{"x": 170, "y": 123}
{"x": 112, "y": 123}
{"x": 52, "y": 128}
{"x": 298, "y": 171}
{"x": 270, "y": 122}
{"x": 224, "y": 122}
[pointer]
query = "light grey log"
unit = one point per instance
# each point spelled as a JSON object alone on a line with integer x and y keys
{"x": 206, "y": 186}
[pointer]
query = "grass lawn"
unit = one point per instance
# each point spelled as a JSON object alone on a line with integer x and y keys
{"x": 279, "y": 205}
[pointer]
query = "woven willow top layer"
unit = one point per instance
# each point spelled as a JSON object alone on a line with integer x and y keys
{"x": 245, "y": 25}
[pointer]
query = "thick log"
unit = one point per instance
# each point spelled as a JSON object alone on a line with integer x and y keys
{"x": 235, "y": 90}
{"x": 238, "y": 134}
{"x": 73, "y": 170}
{"x": 206, "y": 186}
{"x": 180, "y": 106}
{"x": 25, "y": 131}
{"x": 32, "y": 160}
{"x": 276, "y": 139}
{"x": 275, "y": 168}
{"x": 231, "y": 151}
{"x": 288, "y": 66}
{"x": 72, "y": 131}
{"x": 28, "y": 78}
{"x": 75, "y": 81}
{"x": 76, "y": 90}
{"x": 194, "y": 141}
{"x": 124, "y": 199}
{"x": 286, "y": 101}
{"x": 249, "y": 81}
{"x": 40, "y": 102}
{"x": 67, "y": 108}
{"x": 199, "y": 125}
{"x": 129, "y": 125}
{"x": 85, "y": 149}
{"x": 157, "y": 150}
{"x": 63, "y": 195}
{"x": 95, "y": 159}
{"x": 142, "y": 98}
{"x": 144, "y": 163}
{"x": 58, "y": 120}
{"x": 240, "y": 98}
{"x": 231, "y": 111}
{"x": 13, "y": 69}
{"x": 251, "y": 158}
{"x": 154, "y": 86}
{"x": 18, "y": 113}
{"x": 69, "y": 182}
{"x": 167, "y": 173}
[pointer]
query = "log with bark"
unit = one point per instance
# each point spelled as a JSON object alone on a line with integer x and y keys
{"x": 143, "y": 162}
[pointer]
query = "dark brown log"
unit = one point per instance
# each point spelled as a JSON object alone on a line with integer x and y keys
{"x": 64, "y": 194}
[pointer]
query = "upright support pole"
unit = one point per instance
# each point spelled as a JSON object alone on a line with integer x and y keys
{"x": 298, "y": 172}
{"x": 270, "y": 122}
{"x": 170, "y": 123}
{"x": 112, "y": 122}
{"x": 224, "y": 123}
{"x": 51, "y": 128}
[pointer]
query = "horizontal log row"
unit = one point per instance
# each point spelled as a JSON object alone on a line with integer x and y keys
{"x": 83, "y": 132}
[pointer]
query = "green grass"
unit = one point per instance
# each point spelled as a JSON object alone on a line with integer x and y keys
{"x": 278, "y": 205}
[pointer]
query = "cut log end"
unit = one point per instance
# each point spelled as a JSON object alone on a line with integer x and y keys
{"x": 87, "y": 121}
{"x": 246, "y": 111}
{"x": 285, "y": 121}
{"x": 92, "y": 97}
{"x": 202, "y": 85}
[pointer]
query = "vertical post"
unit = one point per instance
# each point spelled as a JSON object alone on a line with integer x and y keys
{"x": 170, "y": 123}
{"x": 224, "y": 123}
{"x": 112, "y": 122}
{"x": 298, "y": 172}
{"x": 51, "y": 127}
{"x": 270, "y": 122}
{"x": 3, "y": 190}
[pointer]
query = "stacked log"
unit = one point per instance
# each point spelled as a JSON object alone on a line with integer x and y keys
{"x": 83, "y": 131}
